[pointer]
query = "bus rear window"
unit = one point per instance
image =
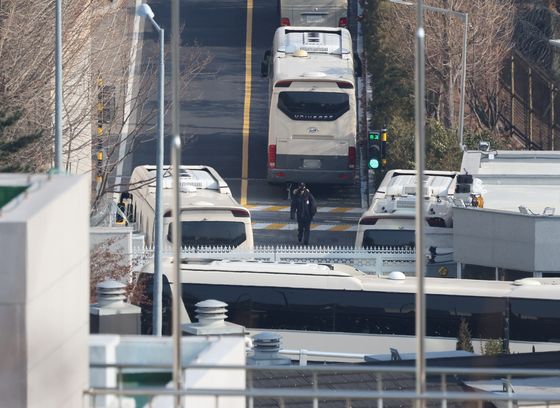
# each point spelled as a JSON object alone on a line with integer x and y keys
{"x": 211, "y": 233}
{"x": 393, "y": 238}
{"x": 322, "y": 106}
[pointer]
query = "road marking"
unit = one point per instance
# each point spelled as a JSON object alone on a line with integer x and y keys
{"x": 275, "y": 226}
{"x": 278, "y": 226}
{"x": 286, "y": 208}
{"x": 247, "y": 103}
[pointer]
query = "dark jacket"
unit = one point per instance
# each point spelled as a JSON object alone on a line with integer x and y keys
{"x": 303, "y": 205}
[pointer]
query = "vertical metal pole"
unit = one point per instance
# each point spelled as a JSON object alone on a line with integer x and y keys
{"x": 552, "y": 117}
{"x": 175, "y": 67}
{"x": 463, "y": 79}
{"x": 176, "y": 159}
{"x": 512, "y": 92}
{"x": 58, "y": 88}
{"x": 530, "y": 104}
{"x": 177, "y": 300}
{"x": 158, "y": 225}
{"x": 420, "y": 158}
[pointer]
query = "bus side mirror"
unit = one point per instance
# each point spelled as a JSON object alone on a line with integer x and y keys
{"x": 265, "y": 63}
{"x": 357, "y": 66}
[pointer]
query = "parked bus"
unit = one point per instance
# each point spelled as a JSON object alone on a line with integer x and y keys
{"x": 334, "y": 298}
{"x": 210, "y": 216}
{"x": 312, "y": 106}
{"x": 321, "y": 13}
{"x": 390, "y": 219}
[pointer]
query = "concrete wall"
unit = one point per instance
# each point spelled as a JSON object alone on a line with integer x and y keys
{"x": 206, "y": 350}
{"x": 44, "y": 327}
{"x": 506, "y": 239}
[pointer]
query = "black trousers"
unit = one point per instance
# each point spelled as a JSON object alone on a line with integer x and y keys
{"x": 303, "y": 231}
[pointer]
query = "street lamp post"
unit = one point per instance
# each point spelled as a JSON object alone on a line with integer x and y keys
{"x": 145, "y": 11}
{"x": 58, "y": 88}
{"x": 465, "y": 18}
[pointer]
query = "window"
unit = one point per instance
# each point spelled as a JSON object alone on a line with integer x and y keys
{"x": 208, "y": 233}
{"x": 320, "y": 106}
{"x": 398, "y": 238}
{"x": 534, "y": 320}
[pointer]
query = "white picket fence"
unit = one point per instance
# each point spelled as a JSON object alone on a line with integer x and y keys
{"x": 380, "y": 260}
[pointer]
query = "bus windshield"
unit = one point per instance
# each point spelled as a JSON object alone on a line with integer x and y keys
{"x": 394, "y": 238}
{"x": 210, "y": 233}
{"x": 324, "y": 106}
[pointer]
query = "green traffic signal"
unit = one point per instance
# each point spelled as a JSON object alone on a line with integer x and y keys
{"x": 373, "y": 135}
{"x": 373, "y": 163}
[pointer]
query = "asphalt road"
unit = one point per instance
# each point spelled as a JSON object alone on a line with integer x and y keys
{"x": 212, "y": 117}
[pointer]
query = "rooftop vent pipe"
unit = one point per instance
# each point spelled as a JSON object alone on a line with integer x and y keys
{"x": 111, "y": 293}
{"x": 265, "y": 350}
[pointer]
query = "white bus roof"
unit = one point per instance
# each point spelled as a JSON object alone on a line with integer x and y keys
{"x": 313, "y": 54}
{"x": 345, "y": 277}
{"x": 201, "y": 187}
{"x": 402, "y": 184}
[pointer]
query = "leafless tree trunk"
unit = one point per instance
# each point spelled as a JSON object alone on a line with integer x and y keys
{"x": 489, "y": 42}
{"x": 96, "y": 40}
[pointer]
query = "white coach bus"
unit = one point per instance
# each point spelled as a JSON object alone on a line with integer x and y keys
{"x": 338, "y": 300}
{"x": 312, "y": 106}
{"x": 210, "y": 216}
{"x": 390, "y": 220}
{"x": 323, "y": 13}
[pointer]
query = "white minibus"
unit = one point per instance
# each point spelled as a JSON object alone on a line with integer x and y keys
{"x": 210, "y": 216}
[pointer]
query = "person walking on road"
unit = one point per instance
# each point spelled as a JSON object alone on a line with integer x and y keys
{"x": 304, "y": 207}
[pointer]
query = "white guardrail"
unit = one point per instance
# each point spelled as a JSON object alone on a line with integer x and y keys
{"x": 379, "y": 260}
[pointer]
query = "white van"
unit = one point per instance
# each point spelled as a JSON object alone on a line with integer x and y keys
{"x": 390, "y": 220}
{"x": 323, "y": 13}
{"x": 210, "y": 216}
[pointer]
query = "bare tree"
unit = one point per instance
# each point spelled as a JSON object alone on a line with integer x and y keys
{"x": 489, "y": 42}
{"x": 96, "y": 55}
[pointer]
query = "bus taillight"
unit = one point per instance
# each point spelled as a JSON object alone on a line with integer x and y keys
{"x": 272, "y": 156}
{"x": 436, "y": 222}
{"x": 282, "y": 84}
{"x": 344, "y": 85}
{"x": 284, "y": 21}
{"x": 351, "y": 157}
{"x": 343, "y": 22}
{"x": 368, "y": 221}
{"x": 240, "y": 213}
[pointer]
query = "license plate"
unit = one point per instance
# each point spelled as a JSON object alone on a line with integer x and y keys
{"x": 311, "y": 164}
{"x": 314, "y": 19}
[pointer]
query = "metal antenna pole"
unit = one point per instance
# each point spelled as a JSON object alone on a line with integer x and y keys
{"x": 177, "y": 240}
{"x": 58, "y": 88}
{"x": 420, "y": 159}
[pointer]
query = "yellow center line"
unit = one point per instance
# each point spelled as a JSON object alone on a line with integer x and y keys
{"x": 247, "y": 103}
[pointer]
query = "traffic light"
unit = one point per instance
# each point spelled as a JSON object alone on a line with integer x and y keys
{"x": 377, "y": 149}
{"x": 383, "y": 144}
{"x": 374, "y": 149}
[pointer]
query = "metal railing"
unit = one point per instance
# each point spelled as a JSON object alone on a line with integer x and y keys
{"x": 285, "y": 386}
{"x": 379, "y": 260}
